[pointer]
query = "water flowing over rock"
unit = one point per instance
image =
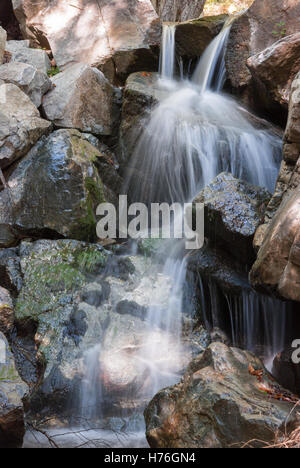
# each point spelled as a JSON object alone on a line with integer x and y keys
{"x": 217, "y": 404}
{"x": 55, "y": 189}
{"x": 3, "y": 37}
{"x": 178, "y": 10}
{"x": 21, "y": 125}
{"x": 31, "y": 81}
{"x": 275, "y": 69}
{"x": 12, "y": 392}
{"x": 82, "y": 98}
{"x": 233, "y": 211}
{"x": 262, "y": 25}
{"x": 193, "y": 37}
{"x": 119, "y": 39}
{"x": 21, "y": 52}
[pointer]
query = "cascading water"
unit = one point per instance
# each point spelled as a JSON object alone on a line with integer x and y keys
{"x": 192, "y": 135}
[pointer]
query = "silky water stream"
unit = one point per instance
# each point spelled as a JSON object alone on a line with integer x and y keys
{"x": 192, "y": 135}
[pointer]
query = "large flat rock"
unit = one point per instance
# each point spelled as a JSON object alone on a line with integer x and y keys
{"x": 116, "y": 37}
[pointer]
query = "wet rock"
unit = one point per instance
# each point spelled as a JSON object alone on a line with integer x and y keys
{"x": 12, "y": 392}
{"x": 21, "y": 125}
{"x": 286, "y": 372}
{"x": 261, "y": 26}
{"x": 31, "y": 81}
{"x": 193, "y": 37}
{"x": 82, "y": 98}
{"x": 54, "y": 274}
{"x": 3, "y": 37}
{"x": 10, "y": 273}
{"x": 6, "y": 312}
{"x": 218, "y": 404}
{"x": 131, "y": 308}
{"x": 178, "y": 10}
{"x": 93, "y": 294}
{"x": 21, "y": 52}
{"x": 55, "y": 190}
{"x": 213, "y": 263}
{"x": 233, "y": 211}
{"x": 277, "y": 268}
{"x": 122, "y": 38}
{"x": 275, "y": 68}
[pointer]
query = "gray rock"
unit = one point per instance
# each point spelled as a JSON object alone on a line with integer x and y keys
{"x": 31, "y": 81}
{"x": 82, "y": 98}
{"x": 233, "y": 211}
{"x": 20, "y": 124}
{"x": 12, "y": 392}
{"x": 125, "y": 40}
{"x": 218, "y": 403}
{"x": 10, "y": 273}
{"x": 56, "y": 188}
{"x": 3, "y": 37}
{"x": 20, "y": 52}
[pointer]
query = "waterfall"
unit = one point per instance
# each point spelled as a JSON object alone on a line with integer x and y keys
{"x": 192, "y": 135}
{"x": 167, "y": 56}
{"x": 211, "y": 70}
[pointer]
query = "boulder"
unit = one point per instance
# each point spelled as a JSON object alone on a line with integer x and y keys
{"x": 275, "y": 68}
{"x": 3, "y": 37}
{"x": 122, "y": 38}
{"x": 82, "y": 98}
{"x": 31, "y": 81}
{"x": 277, "y": 268}
{"x": 193, "y": 37}
{"x": 289, "y": 174}
{"x": 12, "y": 392}
{"x": 6, "y": 312}
{"x": 20, "y": 124}
{"x": 21, "y": 52}
{"x": 178, "y": 10}
{"x": 218, "y": 404}
{"x": 233, "y": 211}
{"x": 55, "y": 190}
{"x": 258, "y": 28}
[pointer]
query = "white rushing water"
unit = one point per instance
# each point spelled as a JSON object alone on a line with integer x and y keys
{"x": 195, "y": 133}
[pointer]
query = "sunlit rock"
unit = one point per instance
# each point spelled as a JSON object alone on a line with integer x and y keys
{"x": 275, "y": 68}
{"x": 20, "y": 124}
{"x": 117, "y": 38}
{"x": 178, "y": 10}
{"x": 31, "y": 81}
{"x": 21, "y": 52}
{"x": 82, "y": 98}
{"x": 3, "y": 37}
{"x": 218, "y": 404}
